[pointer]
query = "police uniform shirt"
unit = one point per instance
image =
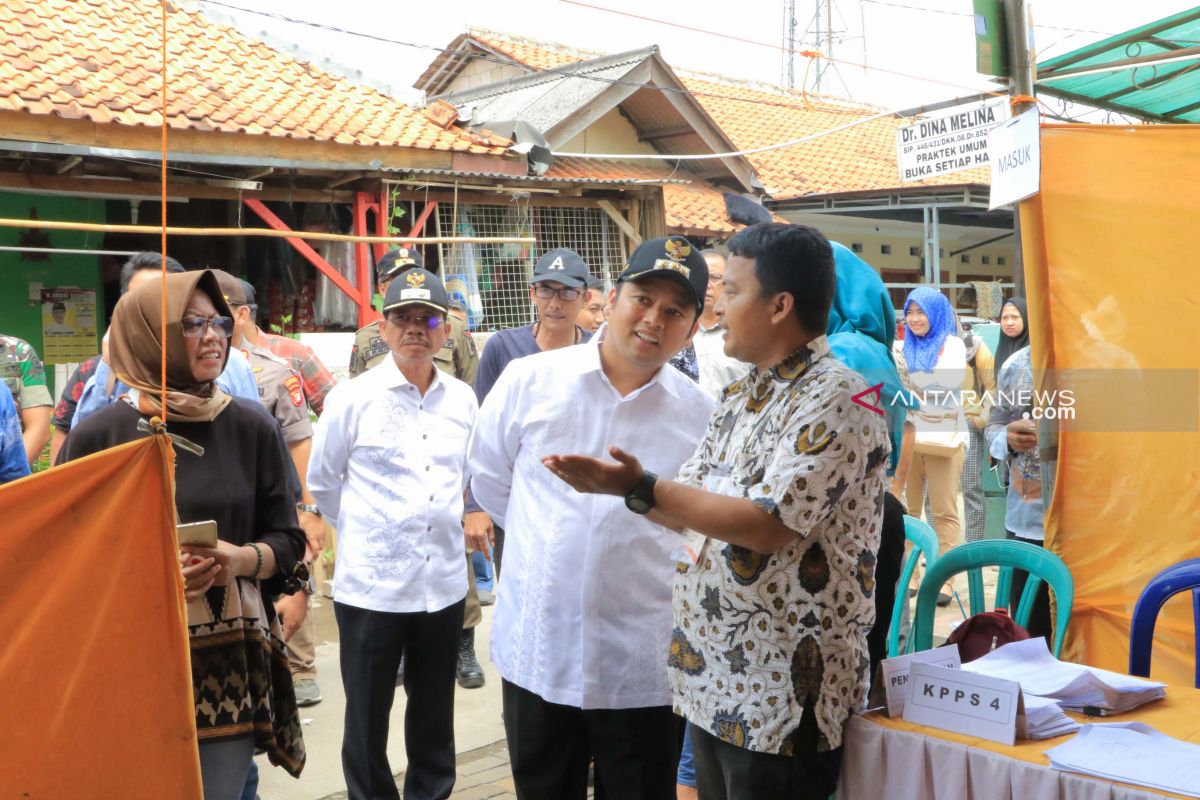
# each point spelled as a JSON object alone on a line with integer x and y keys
{"x": 280, "y": 390}
{"x": 458, "y": 356}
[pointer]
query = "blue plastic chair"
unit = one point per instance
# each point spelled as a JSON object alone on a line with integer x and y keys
{"x": 925, "y": 543}
{"x": 1162, "y": 587}
{"x": 1041, "y": 564}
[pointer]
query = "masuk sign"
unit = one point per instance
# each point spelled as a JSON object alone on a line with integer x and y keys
{"x": 949, "y": 143}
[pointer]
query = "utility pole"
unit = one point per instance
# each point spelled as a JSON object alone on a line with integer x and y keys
{"x": 789, "y": 44}
{"x": 818, "y": 67}
{"x": 1022, "y": 61}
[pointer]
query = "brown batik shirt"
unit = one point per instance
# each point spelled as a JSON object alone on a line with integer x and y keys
{"x": 758, "y": 638}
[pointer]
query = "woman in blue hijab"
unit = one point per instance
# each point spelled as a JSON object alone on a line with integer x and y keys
{"x": 936, "y": 362}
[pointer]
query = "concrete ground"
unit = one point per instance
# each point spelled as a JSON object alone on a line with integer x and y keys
{"x": 483, "y": 767}
{"x": 478, "y": 731}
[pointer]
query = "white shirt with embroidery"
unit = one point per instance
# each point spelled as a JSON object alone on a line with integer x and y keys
{"x": 757, "y": 637}
{"x": 583, "y": 615}
{"x": 388, "y": 468}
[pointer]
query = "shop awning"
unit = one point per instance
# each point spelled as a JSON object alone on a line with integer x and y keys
{"x": 1151, "y": 72}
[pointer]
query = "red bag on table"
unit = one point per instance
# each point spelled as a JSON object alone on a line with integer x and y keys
{"x": 982, "y": 633}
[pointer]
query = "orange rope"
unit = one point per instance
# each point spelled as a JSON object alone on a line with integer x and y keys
{"x": 811, "y": 55}
{"x": 163, "y": 214}
{"x": 1017, "y": 99}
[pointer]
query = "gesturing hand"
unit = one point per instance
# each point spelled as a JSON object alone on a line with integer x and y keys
{"x": 593, "y": 476}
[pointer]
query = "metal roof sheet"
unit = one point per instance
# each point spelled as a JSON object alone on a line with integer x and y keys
{"x": 1130, "y": 73}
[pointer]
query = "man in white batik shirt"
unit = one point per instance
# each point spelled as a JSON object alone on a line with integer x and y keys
{"x": 388, "y": 468}
{"x": 583, "y": 619}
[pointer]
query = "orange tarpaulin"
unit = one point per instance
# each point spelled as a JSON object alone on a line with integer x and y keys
{"x": 1110, "y": 254}
{"x": 95, "y": 677}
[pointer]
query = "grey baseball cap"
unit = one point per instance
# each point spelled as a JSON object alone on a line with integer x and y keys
{"x": 564, "y": 266}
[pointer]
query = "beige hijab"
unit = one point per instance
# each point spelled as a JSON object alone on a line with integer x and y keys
{"x": 135, "y": 348}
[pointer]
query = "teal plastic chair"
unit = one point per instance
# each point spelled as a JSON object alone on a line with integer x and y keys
{"x": 924, "y": 543}
{"x": 1041, "y": 564}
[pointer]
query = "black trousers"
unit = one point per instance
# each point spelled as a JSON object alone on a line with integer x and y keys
{"x": 727, "y": 772}
{"x": 887, "y": 572}
{"x": 1039, "y": 618}
{"x": 371, "y": 645}
{"x": 636, "y": 750}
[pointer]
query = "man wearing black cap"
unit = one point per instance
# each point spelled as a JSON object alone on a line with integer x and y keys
{"x": 458, "y": 356}
{"x": 388, "y": 468}
{"x": 783, "y": 504}
{"x": 581, "y": 649}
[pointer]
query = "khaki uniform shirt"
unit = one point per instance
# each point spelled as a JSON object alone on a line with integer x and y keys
{"x": 458, "y": 357}
{"x": 22, "y": 371}
{"x": 281, "y": 392}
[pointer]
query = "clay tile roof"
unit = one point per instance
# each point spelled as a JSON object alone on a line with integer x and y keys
{"x": 99, "y": 60}
{"x": 692, "y": 206}
{"x": 862, "y": 158}
{"x": 530, "y": 52}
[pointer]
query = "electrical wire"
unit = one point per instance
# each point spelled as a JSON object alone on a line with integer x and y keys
{"x": 176, "y": 168}
{"x": 736, "y": 153}
{"x": 891, "y": 4}
{"x": 757, "y": 101}
{"x": 808, "y": 53}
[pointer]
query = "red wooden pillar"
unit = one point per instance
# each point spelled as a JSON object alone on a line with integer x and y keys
{"x": 364, "y": 202}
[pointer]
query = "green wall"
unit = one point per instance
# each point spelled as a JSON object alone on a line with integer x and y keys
{"x": 18, "y": 315}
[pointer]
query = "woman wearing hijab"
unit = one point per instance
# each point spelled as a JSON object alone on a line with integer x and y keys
{"x": 1014, "y": 330}
{"x": 936, "y": 363}
{"x": 240, "y": 677}
{"x": 1013, "y": 441}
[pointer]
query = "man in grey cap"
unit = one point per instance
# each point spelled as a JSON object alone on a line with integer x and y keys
{"x": 388, "y": 468}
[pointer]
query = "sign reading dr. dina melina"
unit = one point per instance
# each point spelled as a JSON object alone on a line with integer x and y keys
{"x": 950, "y": 143}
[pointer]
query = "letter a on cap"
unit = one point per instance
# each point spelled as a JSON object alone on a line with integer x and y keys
{"x": 557, "y": 263}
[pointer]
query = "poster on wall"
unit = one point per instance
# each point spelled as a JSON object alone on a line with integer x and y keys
{"x": 68, "y": 325}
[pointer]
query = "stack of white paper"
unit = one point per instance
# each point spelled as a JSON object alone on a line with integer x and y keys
{"x": 1134, "y": 753}
{"x": 1074, "y": 686}
{"x": 1043, "y": 719}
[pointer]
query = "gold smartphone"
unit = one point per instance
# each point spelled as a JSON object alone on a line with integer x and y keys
{"x": 201, "y": 534}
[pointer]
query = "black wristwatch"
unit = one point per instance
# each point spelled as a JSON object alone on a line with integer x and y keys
{"x": 641, "y": 498}
{"x": 309, "y": 507}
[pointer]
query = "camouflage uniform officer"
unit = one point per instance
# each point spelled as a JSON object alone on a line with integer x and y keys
{"x": 458, "y": 357}
{"x": 22, "y": 371}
